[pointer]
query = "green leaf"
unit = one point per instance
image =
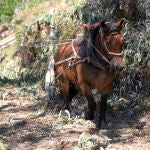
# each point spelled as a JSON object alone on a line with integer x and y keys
{"x": 2, "y": 147}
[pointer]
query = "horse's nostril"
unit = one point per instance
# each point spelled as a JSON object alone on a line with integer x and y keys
{"x": 120, "y": 67}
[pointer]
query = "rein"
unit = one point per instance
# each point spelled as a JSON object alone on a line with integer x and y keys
{"x": 90, "y": 59}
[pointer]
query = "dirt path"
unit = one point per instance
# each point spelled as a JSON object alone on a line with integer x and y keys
{"x": 22, "y": 127}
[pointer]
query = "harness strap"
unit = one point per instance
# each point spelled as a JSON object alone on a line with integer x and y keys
{"x": 65, "y": 60}
{"x": 73, "y": 49}
{"x": 88, "y": 59}
{"x": 112, "y": 53}
{"x": 116, "y": 54}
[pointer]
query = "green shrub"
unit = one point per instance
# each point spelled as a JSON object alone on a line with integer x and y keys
{"x": 7, "y": 9}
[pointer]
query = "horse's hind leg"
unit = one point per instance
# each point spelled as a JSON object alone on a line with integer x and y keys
{"x": 103, "y": 107}
{"x": 72, "y": 91}
{"x": 68, "y": 92}
{"x": 64, "y": 83}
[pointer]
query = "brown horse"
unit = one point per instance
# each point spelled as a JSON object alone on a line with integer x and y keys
{"x": 84, "y": 66}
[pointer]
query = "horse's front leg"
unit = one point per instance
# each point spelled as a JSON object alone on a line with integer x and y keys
{"x": 91, "y": 107}
{"x": 103, "y": 107}
{"x": 87, "y": 92}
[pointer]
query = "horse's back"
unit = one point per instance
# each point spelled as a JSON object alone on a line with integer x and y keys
{"x": 63, "y": 59}
{"x": 66, "y": 50}
{"x": 62, "y": 52}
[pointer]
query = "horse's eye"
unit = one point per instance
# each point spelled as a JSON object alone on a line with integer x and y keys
{"x": 108, "y": 41}
{"x": 108, "y": 38}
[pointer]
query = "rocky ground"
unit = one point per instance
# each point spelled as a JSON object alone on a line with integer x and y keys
{"x": 24, "y": 127}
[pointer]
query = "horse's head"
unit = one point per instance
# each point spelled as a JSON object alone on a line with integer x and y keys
{"x": 111, "y": 39}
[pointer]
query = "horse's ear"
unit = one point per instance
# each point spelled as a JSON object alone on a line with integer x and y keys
{"x": 103, "y": 24}
{"x": 120, "y": 22}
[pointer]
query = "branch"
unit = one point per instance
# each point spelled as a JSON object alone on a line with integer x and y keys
{"x": 26, "y": 33}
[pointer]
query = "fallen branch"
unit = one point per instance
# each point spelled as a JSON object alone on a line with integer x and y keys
{"x": 7, "y": 41}
{"x": 26, "y": 33}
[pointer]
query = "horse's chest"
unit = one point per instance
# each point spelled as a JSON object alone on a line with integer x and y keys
{"x": 95, "y": 77}
{"x": 92, "y": 73}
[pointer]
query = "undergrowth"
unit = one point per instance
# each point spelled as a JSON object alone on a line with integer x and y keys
{"x": 34, "y": 55}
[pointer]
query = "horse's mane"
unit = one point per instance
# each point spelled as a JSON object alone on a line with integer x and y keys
{"x": 86, "y": 49}
{"x": 111, "y": 27}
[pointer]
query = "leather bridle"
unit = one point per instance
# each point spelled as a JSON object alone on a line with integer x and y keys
{"x": 106, "y": 59}
{"x": 106, "y": 48}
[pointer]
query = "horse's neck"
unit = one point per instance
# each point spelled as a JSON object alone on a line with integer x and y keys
{"x": 99, "y": 45}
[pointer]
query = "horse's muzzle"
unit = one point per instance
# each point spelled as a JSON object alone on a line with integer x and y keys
{"x": 117, "y": 66}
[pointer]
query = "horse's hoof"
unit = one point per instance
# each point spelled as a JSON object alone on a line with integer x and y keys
{"x": 101, "y": 125}
{"x": 89, "y": 116}
{"x": 67, "y": 107}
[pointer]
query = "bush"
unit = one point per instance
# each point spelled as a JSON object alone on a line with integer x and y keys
{"x": 7, "y": 9}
